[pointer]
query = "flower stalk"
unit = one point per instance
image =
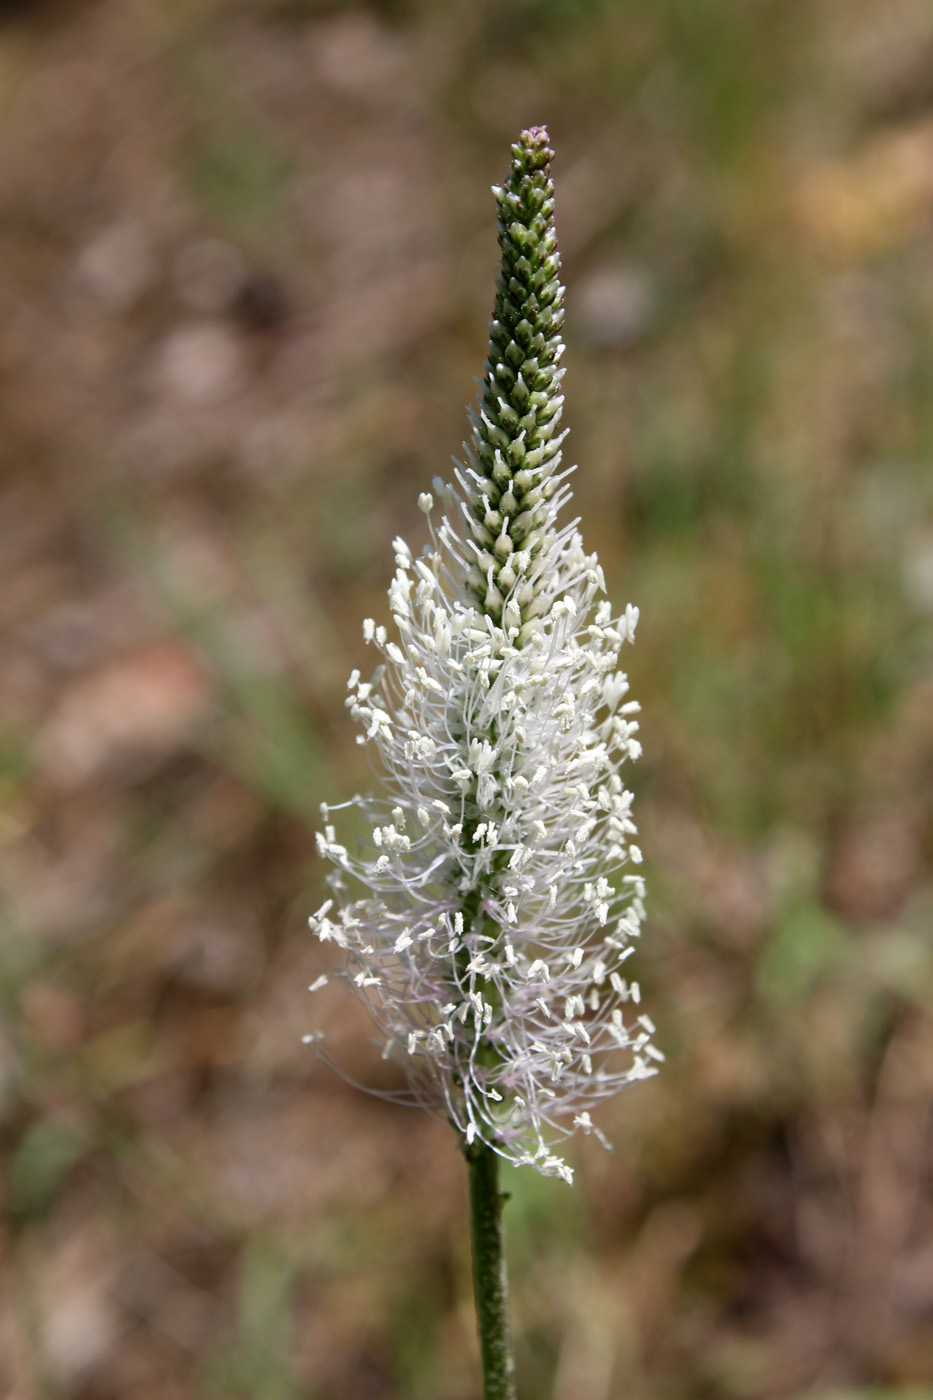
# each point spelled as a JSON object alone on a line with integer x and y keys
{"x": 490, "y": 1284}
{"x": 487, "y": 918}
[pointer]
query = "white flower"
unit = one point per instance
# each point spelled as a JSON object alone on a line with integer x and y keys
{"x": 487, "y": 921}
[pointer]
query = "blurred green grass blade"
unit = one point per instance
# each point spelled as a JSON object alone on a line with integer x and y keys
{"x": 42, "y": 1161}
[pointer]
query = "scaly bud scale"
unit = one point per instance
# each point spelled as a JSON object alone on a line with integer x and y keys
{"x": 515, "y": 447}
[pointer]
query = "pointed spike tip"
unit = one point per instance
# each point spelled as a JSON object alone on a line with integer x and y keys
{"x": 534, "y": 148}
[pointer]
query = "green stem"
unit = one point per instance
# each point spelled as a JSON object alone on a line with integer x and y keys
{"x": 490, "y": 1286}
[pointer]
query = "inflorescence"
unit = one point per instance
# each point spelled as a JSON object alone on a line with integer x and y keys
{"x": 488, "y": 916}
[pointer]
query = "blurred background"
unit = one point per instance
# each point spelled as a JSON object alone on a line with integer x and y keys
{"x": 246, "y": 267}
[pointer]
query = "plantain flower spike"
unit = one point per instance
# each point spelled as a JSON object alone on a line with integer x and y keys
{"x": 488, "y": 915}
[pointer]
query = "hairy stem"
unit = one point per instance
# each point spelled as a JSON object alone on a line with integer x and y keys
{"x": 490, "y": 1286}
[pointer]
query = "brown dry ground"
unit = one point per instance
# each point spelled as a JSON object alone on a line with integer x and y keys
{"x": 246, "y": 261}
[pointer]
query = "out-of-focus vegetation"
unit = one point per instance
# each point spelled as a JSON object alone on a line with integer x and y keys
{"x": 247, "y": 260}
